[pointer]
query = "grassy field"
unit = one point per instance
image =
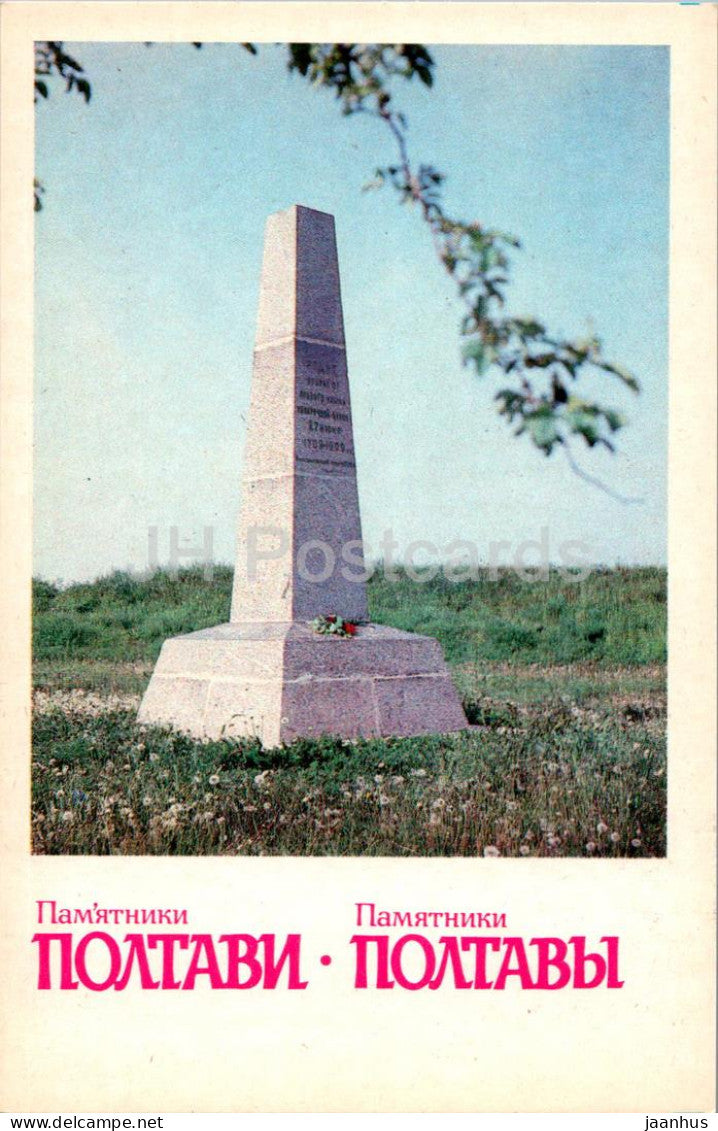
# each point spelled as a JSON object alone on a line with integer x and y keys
{"x": 563, "y": 682}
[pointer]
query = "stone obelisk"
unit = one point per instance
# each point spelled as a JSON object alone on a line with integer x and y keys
{"x": 300, "y": 507}
{"x": 267, "y": 672}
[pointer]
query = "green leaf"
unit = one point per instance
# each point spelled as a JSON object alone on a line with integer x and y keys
{"x": 527, "y": 328}
{"x": 614, "y": 419}
{"x": 474, "y": 351}
{"x": 623, "y": 374}
{"x": 544, "y": 430}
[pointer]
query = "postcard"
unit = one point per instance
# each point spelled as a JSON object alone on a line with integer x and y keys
{"x": 358, "y": 418}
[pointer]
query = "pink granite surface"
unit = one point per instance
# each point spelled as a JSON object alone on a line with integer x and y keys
{"x": 282, "y": 681}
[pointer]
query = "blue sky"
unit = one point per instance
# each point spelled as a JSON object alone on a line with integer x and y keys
{"x": 147, "y": 271}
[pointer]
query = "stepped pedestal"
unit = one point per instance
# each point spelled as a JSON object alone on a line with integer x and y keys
{"x": 268, "y": 672}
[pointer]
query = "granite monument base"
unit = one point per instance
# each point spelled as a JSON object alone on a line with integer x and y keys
{"x": 280, "y": 681}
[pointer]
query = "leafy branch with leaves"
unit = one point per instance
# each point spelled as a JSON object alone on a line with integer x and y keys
{"x": 541, "y": 400}
{"x": 51, "y": 59}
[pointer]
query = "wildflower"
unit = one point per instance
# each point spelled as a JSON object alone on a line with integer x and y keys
{"x": 615, "y": 837}
{"x": 418, "y": 773}
{"x": 154, "y": 757}
{"x": 636, "y": 843}
{"x": 524, "y": 850}
{"x": 601, "y": 828}
{"x": 590, "y": 846}
{"x": 261, "y": 779}
{"x": 491, "y": 850}
{"x": 68, "y": 815}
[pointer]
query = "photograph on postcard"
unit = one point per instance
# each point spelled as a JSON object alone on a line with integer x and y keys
{"x": 370, "y": 567}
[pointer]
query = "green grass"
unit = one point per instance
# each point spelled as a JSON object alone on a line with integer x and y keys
{"x": 538, "y": 784}
{"x": 614, "y": 617}
{"x": 564, "y": 682}
{"x": 123, "y": 618}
